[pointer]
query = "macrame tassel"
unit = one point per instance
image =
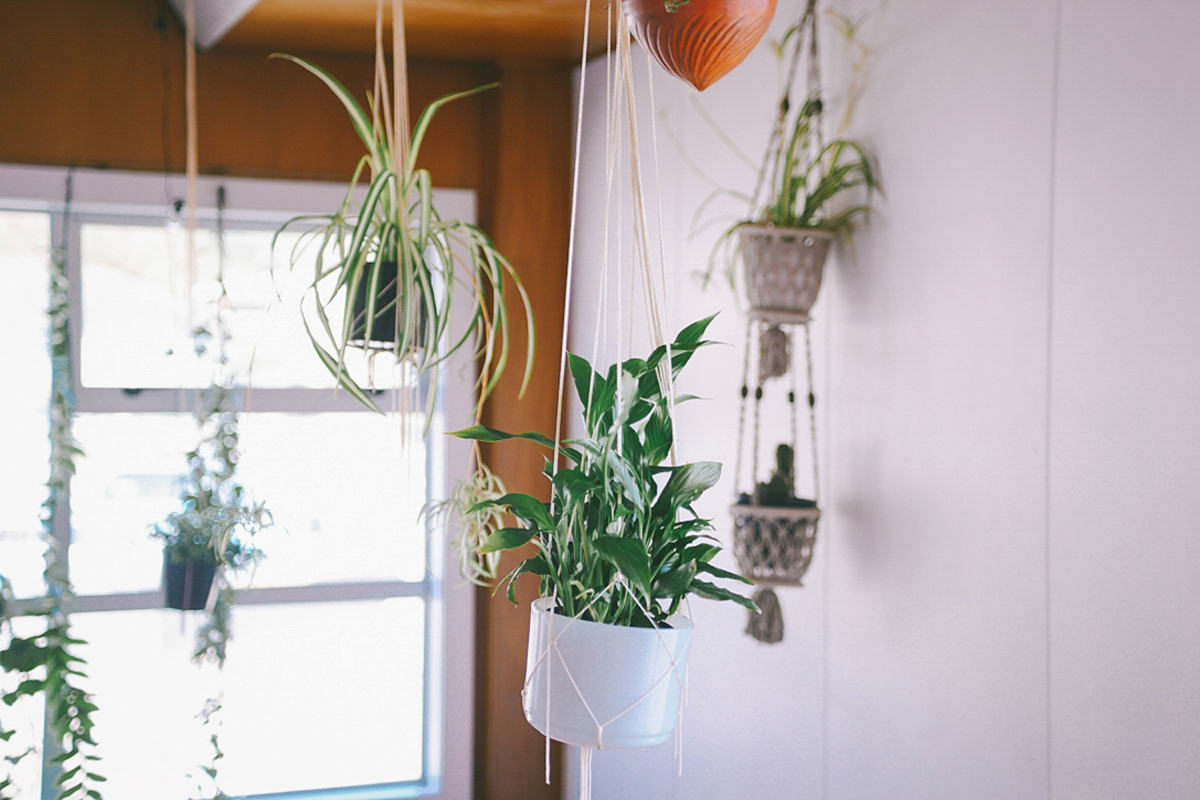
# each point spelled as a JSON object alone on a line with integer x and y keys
{"x": 767, "y": 625}
{"x": 774, "y": 353}
{"x": 585, "y": 773}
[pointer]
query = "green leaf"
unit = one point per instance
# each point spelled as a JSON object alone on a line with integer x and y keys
{"x": 361, "y": 121}
{"x": 482, "y": 433}
{"x": 507, "y": 539}
{"x": 717, "y": 572}
{"x": 714, "y": 592}
{"x": 528, "y": 508}
{"x": 686, "y": 484}
{"x": 627, "y": 555}
{"x": 676, "y": 582}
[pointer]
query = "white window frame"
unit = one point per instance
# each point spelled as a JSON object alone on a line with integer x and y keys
{"x": 108, "y": 195}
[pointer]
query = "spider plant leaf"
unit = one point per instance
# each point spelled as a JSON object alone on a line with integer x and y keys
{"x": 337, "y": 369}
{"x": 358, "y": 117}
{"x": 418, "y": 134}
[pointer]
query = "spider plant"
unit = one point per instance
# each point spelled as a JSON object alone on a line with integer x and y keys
{"x": 396, "y": 226}
{"x": 620, "y": 542}
{"x": 804, "y": 183}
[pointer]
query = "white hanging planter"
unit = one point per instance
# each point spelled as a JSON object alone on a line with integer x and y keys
{"x": 783, "y": 270}
{"x": 610, "y": 686}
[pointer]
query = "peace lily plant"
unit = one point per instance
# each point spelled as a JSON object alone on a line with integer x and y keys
{"x": 395, "y": 230}
{"x": 619, "y": 543}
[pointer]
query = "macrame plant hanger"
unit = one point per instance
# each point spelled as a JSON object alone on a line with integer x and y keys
{"x": 549, "y": 660}
{"x": 774, "y": 531}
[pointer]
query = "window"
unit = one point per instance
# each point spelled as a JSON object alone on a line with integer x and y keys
{"x": 342, "y": 680}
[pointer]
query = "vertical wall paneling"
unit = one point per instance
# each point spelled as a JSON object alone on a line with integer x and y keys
{"x": 1126, "y": 440}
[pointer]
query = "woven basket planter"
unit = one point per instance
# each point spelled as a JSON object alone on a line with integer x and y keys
{"x": 774, "y": 544}
{"x": 783, "y": 270}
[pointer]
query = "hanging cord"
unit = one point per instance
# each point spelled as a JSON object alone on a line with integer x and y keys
{"x": 571, "y": 237}
{"x": 795, "y": 414}
{"x": 812, "y": 416}
{"x": 770, "y": 162}
{"x": 814, "y": 82}
{"x": 758, "y": 396}
{"x": 741, "y": 436}
{"x": 193, "y": 161}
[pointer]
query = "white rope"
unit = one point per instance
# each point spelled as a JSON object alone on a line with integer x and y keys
{"x": 566, "y": 325}
{"x": 193, "y": 159}
{"x": 585, "y": 773}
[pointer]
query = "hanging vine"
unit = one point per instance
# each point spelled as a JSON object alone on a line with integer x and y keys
{"x": 46, "y": 663}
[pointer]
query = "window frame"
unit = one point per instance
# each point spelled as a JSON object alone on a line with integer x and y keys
{"x": 143, "y": 198}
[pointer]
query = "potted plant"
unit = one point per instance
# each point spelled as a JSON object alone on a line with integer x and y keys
{"x": 617, "y": 549}
{"x": 775, "y": 531}
{"x": 211, "y": 535}
{"x": 815, "y": 192}
{"x": 388, "y": 264}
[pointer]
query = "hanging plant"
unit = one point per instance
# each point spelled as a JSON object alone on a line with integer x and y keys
{"x": 211, "y": 536}
{"x": 47, "y": 663}
{"x": 699, "y": 41}
{"x": 391, "y": 253}
{"x": 619, "y": 546}
{"x": 809, "y": 194}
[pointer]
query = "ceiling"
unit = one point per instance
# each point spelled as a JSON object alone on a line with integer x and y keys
{"x": 546, "y": 30}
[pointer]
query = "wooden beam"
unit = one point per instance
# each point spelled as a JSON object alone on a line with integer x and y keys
{"x": 531, "y": 222}
{"x": 546, "y": 30}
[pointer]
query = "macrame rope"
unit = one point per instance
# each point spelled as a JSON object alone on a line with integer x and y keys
{"x": 566, "y": 325}
{"x": 193, "y": 159}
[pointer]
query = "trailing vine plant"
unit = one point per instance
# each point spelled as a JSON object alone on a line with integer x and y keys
{"x": 46, "y": 662}
{"x": 217, "y": 519}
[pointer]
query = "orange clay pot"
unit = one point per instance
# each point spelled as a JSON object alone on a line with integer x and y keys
{"x": 704, "y": 39}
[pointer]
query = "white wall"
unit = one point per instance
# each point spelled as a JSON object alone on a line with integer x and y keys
{"x": 1005, "y": 601}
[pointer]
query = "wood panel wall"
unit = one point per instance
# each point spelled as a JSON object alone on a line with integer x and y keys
{"x": 99, "y": 83}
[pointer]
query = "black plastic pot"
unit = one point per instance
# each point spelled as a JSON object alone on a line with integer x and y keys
{"x": 186, "y": 584}
{"x": 383, "y": 331}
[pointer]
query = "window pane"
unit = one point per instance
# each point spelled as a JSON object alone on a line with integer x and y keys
{"x": 135, "y": 319}
{"x": 128, "y": 481}
{"x": 24, "y": 396}
{"x": 316, "y": 695}
{"x": 344, "y": 489}
{"x": 145, "y": 267}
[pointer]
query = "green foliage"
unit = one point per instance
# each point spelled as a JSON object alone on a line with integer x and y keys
{"x": 47, "y": 662}
{"x": 620, "y": 542}
{"x": 805, "y": 185}
{"x": 217, "y": 519}
{"x": 210, "y": 719}
{"x": 396, "y": 222}
{"x": 808, "y": 184}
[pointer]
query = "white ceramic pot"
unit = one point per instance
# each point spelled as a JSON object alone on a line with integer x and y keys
{"x": 603, "y": 686}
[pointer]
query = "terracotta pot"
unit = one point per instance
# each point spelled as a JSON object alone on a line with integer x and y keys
{"x": 702, "y": 40}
